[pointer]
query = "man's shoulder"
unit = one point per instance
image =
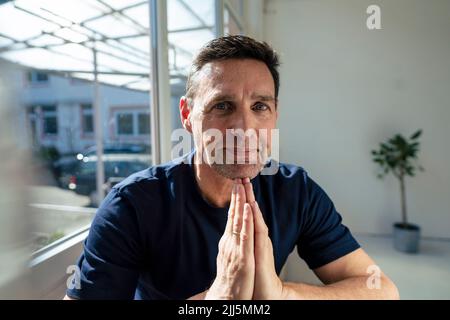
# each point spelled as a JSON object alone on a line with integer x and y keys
{"x": 288, "y": 172}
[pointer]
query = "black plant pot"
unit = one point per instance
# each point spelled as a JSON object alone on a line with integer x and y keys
{"x": 406, "y": 237}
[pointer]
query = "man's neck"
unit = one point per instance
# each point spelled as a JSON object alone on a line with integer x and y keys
{"x": 215, "y": 188}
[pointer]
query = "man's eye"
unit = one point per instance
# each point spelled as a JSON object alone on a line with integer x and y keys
{"x": 260, "y": 107}
{"x": 222, "y": 106}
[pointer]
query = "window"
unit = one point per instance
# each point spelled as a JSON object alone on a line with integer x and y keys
{"x": 87, "y": 119}
{"x": 124, "y": 123}
{"x": 36, "y": 77}
{"x": 57, "y": 121}
{"x": 232, "y": 17}
{"x": 87, "y": 168}
{"x": 50, "y": 120}
{"x": 133, "y": 123}
{"x": 143, "y": 123}
{"x": 230, "y": 24}
{"x": 238, "y": 6}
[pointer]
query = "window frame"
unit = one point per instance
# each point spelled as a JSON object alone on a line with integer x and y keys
{"x": 49, "y": 264}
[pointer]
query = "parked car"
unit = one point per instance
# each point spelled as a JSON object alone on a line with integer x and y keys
{"x": 115, "y": 148}
{"x": 117, "y": 167}
{"x": 63, "y": 169}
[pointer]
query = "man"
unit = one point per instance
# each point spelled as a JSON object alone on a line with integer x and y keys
{"x": 204, "y": 229}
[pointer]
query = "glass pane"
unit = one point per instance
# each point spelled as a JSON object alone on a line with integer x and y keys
{"x": 56, "y": 113}
{"x": 230, "y": 25}
{"x": 50, "y": 125}
{"x": 125, "y": 124}
{"x": 87, "y": 119}
{"x": 48, "y": 109}
{"x": 88, "y": 123}
{"x": 186, "y": 37}
{"x": 41, "y": 77}
{"x": 237, "y": 6}
{"x": 144, "y": 123}
{"x": 37, "y": 77}
{"x": 86, "y": 107}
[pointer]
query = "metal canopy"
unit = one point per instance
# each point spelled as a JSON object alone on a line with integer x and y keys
{"x": 61, "y": 35}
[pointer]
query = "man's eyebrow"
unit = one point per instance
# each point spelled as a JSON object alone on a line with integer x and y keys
{"x": 221, "y": 97}
{"x": 263, "y": 97}
{"x": 228, "y": 97}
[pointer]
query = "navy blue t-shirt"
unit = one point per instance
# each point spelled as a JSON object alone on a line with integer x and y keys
{"x": 155, "y": 236}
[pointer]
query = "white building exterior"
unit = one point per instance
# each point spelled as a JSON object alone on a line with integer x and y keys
{"x": 57, "y": 111}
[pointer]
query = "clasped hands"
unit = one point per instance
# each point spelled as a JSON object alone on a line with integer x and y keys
{"x": 245, "y": 261}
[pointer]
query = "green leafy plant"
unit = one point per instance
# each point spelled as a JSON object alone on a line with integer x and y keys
{"x": 398, "y": 155}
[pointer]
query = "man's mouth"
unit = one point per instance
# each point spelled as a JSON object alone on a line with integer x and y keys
{"x": 242, "y": 155}
{"x": 242, "y": 151}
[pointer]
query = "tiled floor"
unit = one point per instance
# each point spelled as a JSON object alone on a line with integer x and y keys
{"x": 425, "y": 275}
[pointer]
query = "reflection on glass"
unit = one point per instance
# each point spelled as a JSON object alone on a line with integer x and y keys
{"x": 51, "y": 58}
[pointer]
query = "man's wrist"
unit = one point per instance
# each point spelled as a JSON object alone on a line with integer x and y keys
{"x": 218, "y": 292}
{"x": 286, "y": 291}
{"x": 291, "y": 291}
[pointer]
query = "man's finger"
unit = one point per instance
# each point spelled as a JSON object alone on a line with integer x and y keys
{"x": 247, "y": 231}
{"x": 229, "y": 226}
{"x": 248, "y": 190}
{"x": 239, "y": 209}
{"x": 260, "y": 224}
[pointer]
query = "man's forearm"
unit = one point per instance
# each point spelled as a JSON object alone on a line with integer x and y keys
{"x": 348, "y": 289}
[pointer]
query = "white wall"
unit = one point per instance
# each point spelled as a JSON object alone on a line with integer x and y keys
{"x": 345, "y": 88}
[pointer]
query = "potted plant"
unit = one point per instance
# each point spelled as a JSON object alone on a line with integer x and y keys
{"x": 399, "y": 156}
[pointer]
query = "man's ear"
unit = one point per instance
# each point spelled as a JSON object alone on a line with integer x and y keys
{"x": 185, "y": 113}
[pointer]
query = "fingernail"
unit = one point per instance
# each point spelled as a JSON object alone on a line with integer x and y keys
{"x": 246, "y": 180}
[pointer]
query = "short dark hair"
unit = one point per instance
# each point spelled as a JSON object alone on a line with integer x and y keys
{"x": 234, "y": 47}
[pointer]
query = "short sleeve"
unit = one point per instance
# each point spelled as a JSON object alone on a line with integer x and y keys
{"x": 323, "y": 237}
{"x": 110, "y": 262}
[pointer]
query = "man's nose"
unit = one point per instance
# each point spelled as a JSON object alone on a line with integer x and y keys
{"x": 243, "y": 120}
{"x": 244, "y": 128}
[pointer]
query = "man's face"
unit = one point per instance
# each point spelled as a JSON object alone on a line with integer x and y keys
{"x": 234, "y": 94}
